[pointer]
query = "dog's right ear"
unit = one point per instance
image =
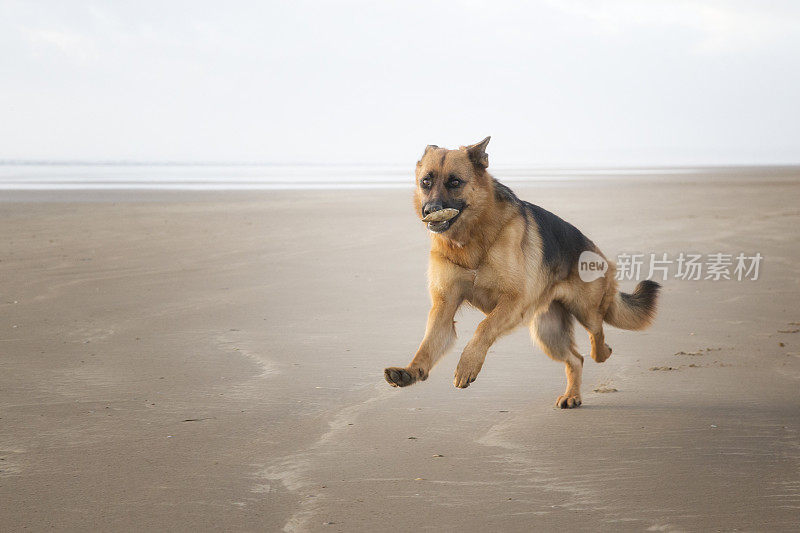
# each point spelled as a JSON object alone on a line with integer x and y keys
{"x": 427, "y": 149}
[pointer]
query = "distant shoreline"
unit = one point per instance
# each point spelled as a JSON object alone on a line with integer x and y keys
{"x": 99, "y": 176}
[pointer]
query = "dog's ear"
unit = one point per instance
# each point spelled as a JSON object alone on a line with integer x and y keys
{"x": 477, "y": 153}
{"x": 427, "y": 149}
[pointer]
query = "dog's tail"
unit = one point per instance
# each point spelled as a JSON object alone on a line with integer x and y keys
{"x": 634, "y": 311}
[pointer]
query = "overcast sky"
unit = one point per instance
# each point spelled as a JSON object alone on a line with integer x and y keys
{"x": 568, "y": 83}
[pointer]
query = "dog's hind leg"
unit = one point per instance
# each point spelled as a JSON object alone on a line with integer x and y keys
{"x": 589, "y": 308}
{"x": 593, "y": 322}
{"x": 552, "y": 329}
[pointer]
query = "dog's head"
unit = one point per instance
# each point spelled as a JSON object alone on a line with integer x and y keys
{"x": 454, "y": 179}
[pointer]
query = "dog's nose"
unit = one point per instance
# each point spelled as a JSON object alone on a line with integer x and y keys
{"x": 430, "y": 207}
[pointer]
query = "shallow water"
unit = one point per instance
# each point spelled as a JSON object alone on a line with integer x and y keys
{"x": 131, "y": 176}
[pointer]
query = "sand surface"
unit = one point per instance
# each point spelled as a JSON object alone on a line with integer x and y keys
{"x": 214, "y": 361}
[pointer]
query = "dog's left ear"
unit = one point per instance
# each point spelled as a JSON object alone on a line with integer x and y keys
{"x": 477, "y": 153}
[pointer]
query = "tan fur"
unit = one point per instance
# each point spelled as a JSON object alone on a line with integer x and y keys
{"x": 492, "y": 259}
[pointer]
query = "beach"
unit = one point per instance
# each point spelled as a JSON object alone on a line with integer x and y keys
{"x": 197, "y": 360}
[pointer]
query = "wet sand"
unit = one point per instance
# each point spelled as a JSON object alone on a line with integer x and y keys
{"x": 214, "y": 361}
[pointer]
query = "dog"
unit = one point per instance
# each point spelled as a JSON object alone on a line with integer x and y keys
{"x": 518, "y": 264}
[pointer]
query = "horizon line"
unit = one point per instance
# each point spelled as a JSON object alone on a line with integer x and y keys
{"x": 256, "y": 163}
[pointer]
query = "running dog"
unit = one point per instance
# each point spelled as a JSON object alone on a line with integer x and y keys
{"x": 518, "y": 264}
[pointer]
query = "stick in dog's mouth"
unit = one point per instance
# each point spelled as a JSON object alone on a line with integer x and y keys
{"x": 440, "y": 221}
{"x": 442, "y": 215}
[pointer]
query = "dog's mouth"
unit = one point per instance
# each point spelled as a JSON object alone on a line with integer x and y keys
{"x": 444, "y": 225}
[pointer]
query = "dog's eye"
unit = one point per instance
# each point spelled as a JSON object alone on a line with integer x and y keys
{"x": 426, "y": 182}
{"x": 453, "y": 182}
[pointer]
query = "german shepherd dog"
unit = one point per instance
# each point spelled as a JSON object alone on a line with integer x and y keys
{"x": 518, "y": 264}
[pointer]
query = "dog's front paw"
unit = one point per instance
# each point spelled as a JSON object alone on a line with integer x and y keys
{"x": 466, "y": 373}
{"x": 568, "y": 402}
{"x": 403, "y": 377}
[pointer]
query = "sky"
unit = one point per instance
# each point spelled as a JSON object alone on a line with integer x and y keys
{"x": 555, "y": 83}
